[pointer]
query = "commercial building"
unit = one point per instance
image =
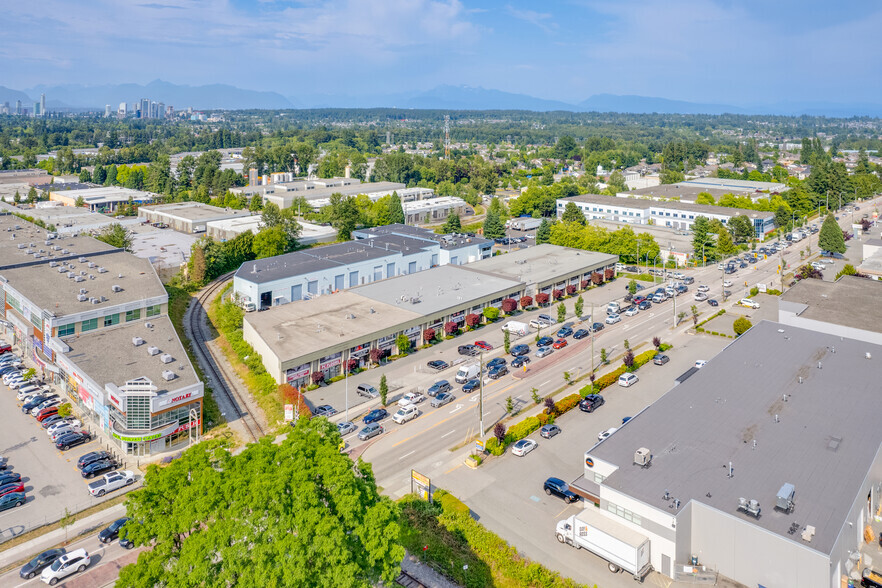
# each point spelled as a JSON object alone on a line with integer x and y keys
{"x": 375, "y": 191}
{"x": 27, "y": 177}
{"x": 736, "y": 186}
{"x": 67, "y": 220}
{"x": 70, "y": 304}
{"x": 188, "y": 217}
{"x": 226, "y": 229}
{"x": 762, "y": 465}
{"x": 675, "y": 192}
{"x": 106, "y": 199}
{"x": 454, "y": 249}
{"x": 319, "y": 335}
{"x": 677, "y": 215}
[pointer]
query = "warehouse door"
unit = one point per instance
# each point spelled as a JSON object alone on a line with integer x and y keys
{"x": 296, "y": 292}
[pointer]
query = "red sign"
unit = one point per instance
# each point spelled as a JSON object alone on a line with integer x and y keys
{"x": 179, "y": 398}
{"x": 187, "y": 426}
{"x": 115, "y": 400}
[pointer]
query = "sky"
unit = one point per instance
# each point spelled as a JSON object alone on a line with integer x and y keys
{"x": 737, "y": 52}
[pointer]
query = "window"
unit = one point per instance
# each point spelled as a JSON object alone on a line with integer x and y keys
{"x": 624, "y": 513}
{"x": 598, "y": 478}
{"x": 153, "y": 310}
{"x": 89, "y": 325}
{"x": 65, "y": 330}
{"x": 133, "y": 315}
{"x": 390, "y": 270}
{"x": 138, "y": 413}
{"x": 37, "y": 320}
{"x": 111, "y": 319}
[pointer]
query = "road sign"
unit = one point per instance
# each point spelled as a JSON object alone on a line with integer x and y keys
{"x": 289, "y": 412}
{"x": 423, "y": 485}
{"x": 479, "y": 446}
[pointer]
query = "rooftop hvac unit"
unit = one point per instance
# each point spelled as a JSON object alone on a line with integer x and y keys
{"x": 166, "y": 358}
{"x": 81, "y": 297}
{"x": 82, "y": 260}
{"x": 47, "y": 243}
{"x": 82, "y": 290}
{"x": 148, "y": 325}
{"x": 103, "y": 299}
{"x": 136, "y": 341}
{"x": 116, "y": 288}
{"x": 168, "y": 375}
{"x": 65, "y": 251}
{"x": 83, "y": 272}
{"x": 55, "y": 248}
{"x": 29, "y": 251}
{"x": 70, "y": 266}
{"x": 101, "y": 270}
{"x": 53, "y": 264}
{"x": 79, "y": 279}
{"x": 153, "y": 350}
{"x": 91, "y": 276}
{"x": 751, "y": 507}
{"x": 21, "y": 245}
{"x": 91, "y": 264}
{"x": 94, "y": 300}
{"x": 62, "y": 269}
{"x": 30, "y": 244}
{"x": 70, "y": 275}
{"x": 784, "y": 499}
{"x": 642, "y": 457}
{"x": 42, "y": 251}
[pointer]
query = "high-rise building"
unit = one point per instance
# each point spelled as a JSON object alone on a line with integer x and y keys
{"x": 18, "y": 107}
{"x": 122, "y": 109}
{"x": 160, "y": 110}
{"x": 5, "y": 108}
{"x": 145, "y": 108}
{"x": 42, "y": 104}
{"x": 37, "y": 111}
{"x": 107, "y": 111}
{"x": 169, "y": 112}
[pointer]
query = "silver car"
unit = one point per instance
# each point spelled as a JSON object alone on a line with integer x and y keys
{"x": 371, "y": 430}
{"x": 442, "y": 399}
{"x": 346, "y": 427}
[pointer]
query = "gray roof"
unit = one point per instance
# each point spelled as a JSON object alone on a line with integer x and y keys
{"x": 685, "y": 193}
{"x": 449, "y": 242}
{"x": 539, "y": 264}
{"x": 108, "y": 355}
{"x": 336, "y": 255}
{"x": 824, "y": 443}
{"x": 194, "y": 211}
{"x": 646, "y": 204}
{"x": 848, "y": 301}
{"x": 738, "y": 185}
{"x": 28, "y": 233}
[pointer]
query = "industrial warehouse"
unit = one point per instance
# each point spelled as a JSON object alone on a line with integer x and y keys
{"x": 319, "y": 335}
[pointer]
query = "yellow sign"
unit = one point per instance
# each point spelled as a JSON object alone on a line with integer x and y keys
{"x": 419, "y": 478}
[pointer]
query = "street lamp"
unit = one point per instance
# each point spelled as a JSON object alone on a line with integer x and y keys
{"x": 653, "y": 268}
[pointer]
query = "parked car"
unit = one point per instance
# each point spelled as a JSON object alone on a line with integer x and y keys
{"x": 468, "y": 349}
{"x": 626, "y": 380}
{"x": 520, "y": 350}
{"x": 96, "y": 468}
{"x": 376, "y": 415}
{"x": 325, "y": 410}
{"x": 438, "y": 387}
{"x": 549, "y": 431}
{"x": 65, "y": 422}
{"x": 75, "y": 561}
{"x": 442, "y": 399}
{"x": 544, "y": 342}
{"x": 613, "y": 319}
{"x": 36, "y": 565}
{"x": 483, "y": 345}
{"x": 470, "y": 386}
{"x": 546, "y": 319}
{"x": 520, "y": 361}
{"x": 645, "y": 305}
{"x": 597, "y": 327}
{"x": 346, "y": 427}
{"x": 8, "y": 477}
{"x": 411, "y": 398}
{"x": 111, "y": 532}
{"x": 604, "y": 434}
{"x": 497, "y": 372}
{"x": 713, "y": 302}
{"x": 564, "y": 332}
{"x": 46, "y": 413}
{"x": 700, "y": 363}
{"x": 660, "y": 359}
{"x": 11, "y": 487}
{"x": 560, "y": 488}
{"x": 61, "y": 431}
{"x": 748, "y": 303}
{"x": 543, "y": 351}
{"x": 632, "y": 311}
{"x": 92, "y": 456}
{"x": 28, "y": 406}
{"x": 437, "y": 364}
{"x": 560, "y": 344}
{"x": 371, "y": 430}
{"x": 523, "y": 447}
{"x": 367, "y": 391}
{"x": 12, "y": 500}
{"x": 69, "y": 440}
{"x": 591, "y": 403}
{"x": 581, "y": 334}
{"x": 110, "y": 482}
{"x": 495, "y": 362}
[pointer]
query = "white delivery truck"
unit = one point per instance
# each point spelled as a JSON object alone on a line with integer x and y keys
{"x": 466, "y": 373}
{"x": 621, "y": 547}
{"x": 526, "y": 223}
{"x": 516, "y": 328}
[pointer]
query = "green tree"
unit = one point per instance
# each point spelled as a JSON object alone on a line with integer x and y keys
{"x": 603, "y": 358}
{"x": 671, "y": 176}
{"x": 16, "y": 197}
{"x": 493, "y": 226}
{"x": 396, "y": 210}
{"x": 572, "y": 213}
{"x": 267, "y": 516}
{"x": 32, "y": 196}
{"x": 705, "y": 198}
{"x": 344, "y": 215}
{"x": 782, "y": 216}
{"x": 506, "y": 340}
{"x": 116, "y": 235}
{"x": 509, "y": 405}
{"x": 725, "y": 246}
{"x": 272, "y": 217}
{"x": 579, "y": 306}
{"x": 452, "y": 224}
{"x": 742, "y": 227}
{"x": 616, "y": 183}
{"x": 561, "y": 312}
{"x": 197, "y": 265}
{"x": 565, "y": 147}
{"x": 694, "y": 310}
{"x": 701, "y": 239}
{"x": 741, "y": 325}
{"x": 543, "y": 233}
{"x": 402, "y": 341}
{"x": 384, "y": 390}
{"x": 491, "y": 313}
{"x": 632, "y": 287}
{"x": 85, "y": 175}
{"x": 534, "y": 394}
{"x": 830, "y": 238}
{"x": 847, "y": 270}
{"x": 255, "y": 204}
{"x": 269, "y": 242}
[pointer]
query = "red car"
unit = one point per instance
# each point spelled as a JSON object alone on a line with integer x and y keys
{"x": 46, "y": 413}
{"x": 11, "y": 487}
{"x": 483, "y": 345}
{"x": 560, "y": 343}
{"x": 4, "y": 347}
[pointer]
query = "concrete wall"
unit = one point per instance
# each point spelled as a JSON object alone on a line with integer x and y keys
{"x": 753, "y": 556}
{"x": 787, "y": 316}
{"x": 270, "y": 360}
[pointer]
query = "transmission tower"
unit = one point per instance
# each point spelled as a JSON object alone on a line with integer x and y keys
{"x": 446, "y": 136}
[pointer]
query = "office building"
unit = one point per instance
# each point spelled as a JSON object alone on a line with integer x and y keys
{"x": 188, "y": 217}
{"x": 42, "y": 104}
{"x": 105, "y": 199}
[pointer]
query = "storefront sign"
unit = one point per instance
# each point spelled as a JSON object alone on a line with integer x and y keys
{"x": 325, "y": 365}
{"x": 360, "y": 350}
{"x": 85, "y": 397}
{"x": 135, "y": 438}
{"x": 188, "y": 425}
{"x": 297, "y": 373}
{"x": 38, "y": 344}
{"x": 173, "y": 399}
{"x": 116, "y": 401}
{"x": 423, "y": 485}
{"x": 289, "y": 412}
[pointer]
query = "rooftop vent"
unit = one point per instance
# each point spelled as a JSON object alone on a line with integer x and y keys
{"x": 166, "y": 358}
{"x": 153, "y": 350}
{"x": 101, "y": 270}
{"x": 168, "y": 375}
{"x": 751, "y": 507}
{"x": 82, "y": 290}
{"x": 91, "y": 264}
{"x": 30, "y": 245}
{"x": 21, "y": 245}
{"x": 82, "y": 260}
{"x": 642, "y": 457}
{"x": 148, "y": 325}
{"x": 116, "y": 288}
{"x": 83, "y": 272}
{"x": 53, "y": 264}
{"x": 784, "y": 499}
{"x": 91, "y": 276}
{"x": 136, "y": 341}
{"x": 65, "y": 251}
{"x": 81, "y": 297}
{"x": 79, "y": 279}
{"x": 70, "y": 275}
{"x": 55, "y": 248}
{"x": 94, "y": 300}
{"x": 61, "y": 269}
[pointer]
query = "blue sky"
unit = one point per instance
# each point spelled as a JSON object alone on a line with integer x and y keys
{"x": 722, "y": 51}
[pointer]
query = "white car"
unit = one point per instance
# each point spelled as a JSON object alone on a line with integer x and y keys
{"x": 47, "y": 404}
{"x": 626, "y": 380}
{"x": 632, "y": 311}
{"x": 700, "y": 363}
{"x": 16, "y": 384}
{"x": 523, "y": 447}
{"x": 748, "y": 303}
{"x": 678, "y": 275}
{"x": 604, "y": 434}
{"x": 818, "y": 265}
{"x": 411, "y": 398}
{"x": 112, "y": 481}
{"x": 75, "y": 561}
{"x": 703, "y": 288}
{"x": 727, "y": 284}
{"x": 54, "y": 435}
{"x": 613, "y": 319}
{"x": 27, "y": 391}
{"x": 66, "y": 423}
{"x": 699, "y": 296}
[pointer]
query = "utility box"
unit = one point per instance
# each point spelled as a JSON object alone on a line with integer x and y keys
{"x": 784, "y": 500}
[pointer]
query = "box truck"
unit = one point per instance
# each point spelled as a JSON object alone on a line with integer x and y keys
{"x": 621, "y": 547}
{"x": 526, "y": 223}
{"x": 516, "y": 328}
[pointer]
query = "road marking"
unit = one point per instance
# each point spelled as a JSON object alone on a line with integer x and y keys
{"x": 448, "y": 434}
{"x": 543, "y": 383}
{"x": 458, "y": 406}
{"x": 406, "y": 454}
{"x": 475, "y": 397}
{"x": 453, "y": 468}
{"x": 564, "y": 510}
{"x": 534, "y": 498}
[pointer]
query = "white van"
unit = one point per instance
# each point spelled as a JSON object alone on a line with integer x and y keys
{"x": 612, "y": 308}
{"x": 626, "y": 380}
{"x": 406, "y": 413}
{"x": 466, "y": 373}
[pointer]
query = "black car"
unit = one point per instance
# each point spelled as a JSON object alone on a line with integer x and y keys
{"x": 497, "y": 372}
{"x": 520, "y": 361}
{"x": 581, "y": 334}
{"x": 596, "y": 327}
{"x": 69, "y": 440}
{"x": 591, "y": 402}
{"x": 33, "y": 403}
{"x": 438, "y": 387}
{"x": 98, "y": 467}
{"x": 376, "y": 415}
{"x": 645, "y": 305}
{"x": 660, "y": 359}
{"x": 564, "y": 332}
{"x": 520, "y": 349}
{"x": 9, "y": 478}
{"x": 437, "y": 364}
{"x": 560, "y": 488}
{"x": 471, "y": 385}
{"x": 36, "y": 565}
{"x": 544, "y": 342}
{"x": 92, "y": 457}
{"x": 713, "y": 302}
{"x": 124, "y": 540}
{"x": 496, "y": 361}
{"x": 468, "y": 349}
{"x": 112, "y": 531}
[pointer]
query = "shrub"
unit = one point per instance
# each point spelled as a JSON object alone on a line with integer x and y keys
{"x": 754, "y": 291}
{"x": 567, "y": 403}
{"x": 509, "y": 305}
{"x": 664, "y": 346}
{"x": 773, "y": 292}
{"x": 451, "y": 327}
{"x": 473, "y": 320}
{"x": 597, "y": 278}
{"x": 609, "y": 273}
{"x": 526, "y": 302}
{"x": 542, "y": 298}
{"x": 520, "y": 430}
{"x": 557, "y": 294}
{"x": 741, "y": 325}
{"x": 351, "y": 364}
{"x": 450, "y": 503}
{"x": 571, "y": 289}
{"x": 628, "y": 360}
{"x": 656, "y": 342}
{"x": 499, "y": 432}
{"x": 376, "y": 355}
{"x": 491, "y": 313}
{"x": 494, "y": 447}
{"x": 549, "y": 405}
{"x": 318, "y": 377}
{"x": 428, "y": 334}
{"x": 583, "y": 284}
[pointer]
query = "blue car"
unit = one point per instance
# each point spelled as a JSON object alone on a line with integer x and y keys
{"x": 564, "y": 332}
{"x": 520, "y": 349}
{"x": 495, "y": 362}
{"x": 544, "y": 342}
{"x": 471, "y": 385}
{"x": 378, "y": 414}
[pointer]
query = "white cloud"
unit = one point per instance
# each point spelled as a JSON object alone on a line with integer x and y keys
{"x": 541, "y": 20}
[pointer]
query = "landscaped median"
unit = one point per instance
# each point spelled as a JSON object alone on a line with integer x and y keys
{"x": 531, "y": 423}
{"x": 446, "y": 537}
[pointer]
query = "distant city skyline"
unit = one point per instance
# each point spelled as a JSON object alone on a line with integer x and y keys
{"x": 717, "y": 51}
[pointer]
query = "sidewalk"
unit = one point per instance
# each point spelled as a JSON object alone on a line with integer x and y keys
{"x": 26, "y": 550}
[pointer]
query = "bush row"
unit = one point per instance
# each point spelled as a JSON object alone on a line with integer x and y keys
{"x": 612, "y": 377}
{"x": 710, "y": 318}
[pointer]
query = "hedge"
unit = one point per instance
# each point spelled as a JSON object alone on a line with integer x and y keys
{"x": 612, "y": 377}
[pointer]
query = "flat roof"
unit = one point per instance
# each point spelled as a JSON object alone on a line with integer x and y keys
{"x": 645, "y": 204}
{"x": 350, "y": 190}
{"x": 303, "y": 327}
{"x": 824, "y": 442}
{"x": 438, "y": 289}
{"x": 677, "y": 191}
{"x": 103, "y": 194}
{"x": 194, "y": 211}
{"x": 335, "y": 255}
{"x": 737, "y": 185}
{"x": 54, "y": 291}
{"x": 27, "y": 234}
{"x": 449, "y": 241}
{"x": 542, "y": 263}
{"x": 849, "y": 301}
{"x": 108, "y": 355}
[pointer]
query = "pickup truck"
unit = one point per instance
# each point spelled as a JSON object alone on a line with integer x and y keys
{"x": 110, "y": 482}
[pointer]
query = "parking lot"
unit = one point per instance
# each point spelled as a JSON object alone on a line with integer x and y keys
{"x": 52, "y": 482}
{"x": 506, "y": 492}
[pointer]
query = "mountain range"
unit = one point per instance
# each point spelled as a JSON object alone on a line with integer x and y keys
{"x": 445, "y": 97}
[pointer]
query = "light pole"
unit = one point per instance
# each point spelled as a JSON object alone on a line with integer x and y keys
{"x": 653, "y": 268}
{"x": 481, "y": 399}
{"x": 346, "y": 383}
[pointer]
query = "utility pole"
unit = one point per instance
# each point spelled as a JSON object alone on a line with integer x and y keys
{"x": 346, "y": 382}
{"x": 481, "y": 399}
{"x": 446, "y": 136}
